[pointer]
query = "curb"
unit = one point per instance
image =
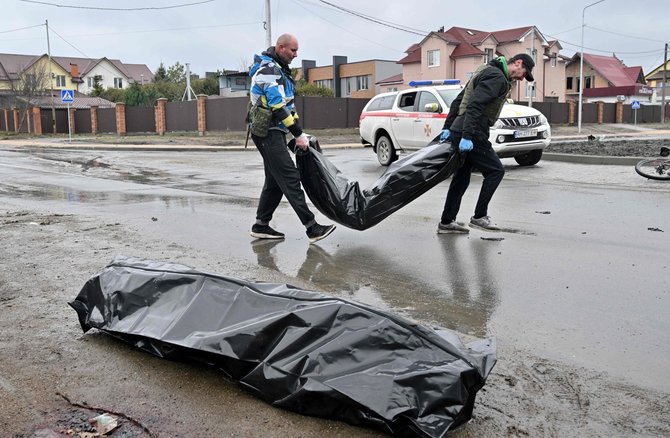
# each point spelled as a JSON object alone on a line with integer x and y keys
{"x": 591, "y": 159}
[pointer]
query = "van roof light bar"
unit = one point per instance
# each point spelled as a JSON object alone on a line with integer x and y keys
{"x": 437, "y": 82}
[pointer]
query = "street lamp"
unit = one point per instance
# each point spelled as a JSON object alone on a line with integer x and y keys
{"x": 581, "y": 70}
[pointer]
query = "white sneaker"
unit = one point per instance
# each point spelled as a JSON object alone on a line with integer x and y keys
{"x": 484, "y": 223}
{"x": 452, "y": 227}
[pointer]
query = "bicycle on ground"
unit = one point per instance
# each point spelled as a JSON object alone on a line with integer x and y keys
{"x": 655, "y": 168}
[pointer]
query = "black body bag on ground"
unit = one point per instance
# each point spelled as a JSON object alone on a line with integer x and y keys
{"x": 343, "y": 201}
{"x": 304, "y": 351}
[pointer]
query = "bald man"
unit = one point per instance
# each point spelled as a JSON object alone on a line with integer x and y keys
{"x": 272, "y": 89}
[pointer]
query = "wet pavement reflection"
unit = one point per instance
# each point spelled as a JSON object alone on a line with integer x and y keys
{"x": 576, "y": 275}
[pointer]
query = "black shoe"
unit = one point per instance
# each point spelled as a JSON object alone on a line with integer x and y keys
{"x": 265, "y": 232}
{"x": 317, "y": 232}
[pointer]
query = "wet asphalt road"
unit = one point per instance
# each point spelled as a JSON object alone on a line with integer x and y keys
{"x": 582, "y": 275}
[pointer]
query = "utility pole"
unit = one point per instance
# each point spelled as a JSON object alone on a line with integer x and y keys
{"x": 531, "y": 86}
{"x": 51, "y": 83}
{"x": 188, "y": 91}
{"x": 665, "y": 83}
{"x": 267, "y": 25}
{"x": 581, "y": 69}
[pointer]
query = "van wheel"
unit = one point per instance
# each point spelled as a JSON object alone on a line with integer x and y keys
{"x": 529, "y": 158}
{"x": 385, "y": 152}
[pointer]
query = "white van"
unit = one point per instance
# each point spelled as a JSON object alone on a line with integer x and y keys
{"x": 410, "y": 119}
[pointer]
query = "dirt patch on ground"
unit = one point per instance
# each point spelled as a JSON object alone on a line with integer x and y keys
{"x": 54, "y": 379}
{"x": 625, "y": 147}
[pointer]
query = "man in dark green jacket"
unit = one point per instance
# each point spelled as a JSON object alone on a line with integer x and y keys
{"x": 471, "y": 115}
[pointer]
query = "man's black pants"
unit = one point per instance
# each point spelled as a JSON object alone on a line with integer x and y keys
{"x": 281, "y": 178}
{"x": 481, "y": 157}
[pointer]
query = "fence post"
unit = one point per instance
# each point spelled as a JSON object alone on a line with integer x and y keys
{"x": 601, "y": 111}
{"x": 37, "y": 120}
{"x": 571, "y": 112}
{"x": 94, "y": 119}
{"x": 28, "y": 121}
{"x": 6, "y": 111}
{"x": 15, "y": 112}
{"x": 201, "y": 108}
{"x": 71, "y": 118}
{"x": 619, "y": 112}
{"x": 121, "y": 118}
{"x": 161, "y": 125}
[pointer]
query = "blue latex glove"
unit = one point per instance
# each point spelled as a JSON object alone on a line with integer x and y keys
{"x": 465, "y": 145}
{"x": 444, "y": 135}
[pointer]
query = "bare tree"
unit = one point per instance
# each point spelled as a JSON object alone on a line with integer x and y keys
{"x": 24, "y": 90}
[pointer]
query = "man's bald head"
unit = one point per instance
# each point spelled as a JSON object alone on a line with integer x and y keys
{"x": 286, "y": 47}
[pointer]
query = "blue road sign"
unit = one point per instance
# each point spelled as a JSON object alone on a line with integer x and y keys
{"x": 67, "y": 96}
{"x": 635, "y": 104}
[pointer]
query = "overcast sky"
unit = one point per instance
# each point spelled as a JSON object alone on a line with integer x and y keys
{"x": 220, "y": 34}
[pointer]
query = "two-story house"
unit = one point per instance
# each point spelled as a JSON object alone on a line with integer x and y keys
{"x": 70, "y": 73}
{"x": 350, "y": 79}
{"x": 457, "y": 52}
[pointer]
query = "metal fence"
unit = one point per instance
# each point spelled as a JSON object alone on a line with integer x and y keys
{"x": 228, "y": 114}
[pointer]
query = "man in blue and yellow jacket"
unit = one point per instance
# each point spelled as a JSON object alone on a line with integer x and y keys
{"x": 272, "y": 93}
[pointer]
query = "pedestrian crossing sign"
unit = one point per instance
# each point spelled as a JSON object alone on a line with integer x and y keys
{"x": 67, "y": 96}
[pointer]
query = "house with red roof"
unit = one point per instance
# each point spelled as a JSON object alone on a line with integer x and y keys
{"x": 457, "y": 52}
{"x": 606, "y": 79}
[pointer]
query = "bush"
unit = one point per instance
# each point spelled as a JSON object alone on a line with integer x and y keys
{"x": 303, "y": 89}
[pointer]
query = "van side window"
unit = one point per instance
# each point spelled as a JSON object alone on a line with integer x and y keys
{"x": 374, "y": 105}
{"x": 386, "y": 103}
{"x": 406, "y": 102}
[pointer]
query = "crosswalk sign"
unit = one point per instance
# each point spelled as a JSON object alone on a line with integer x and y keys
{"x": 67, "y": 96}
{"x": 636, "y": 104}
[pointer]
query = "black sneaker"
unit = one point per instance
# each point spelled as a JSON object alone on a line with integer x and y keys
{"x": 265, "y": 232}
{"x": 317, "y": 232}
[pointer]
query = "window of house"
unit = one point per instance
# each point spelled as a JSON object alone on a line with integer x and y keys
{"x": 433, "y": 58}
{"x": 568, "y": 85}
{"x": 392, "y": 89}
{"x": 488, "y": 55}
{"x": 530, "y": 89}
{"x": 240, "y": 81}
{"x": 532, "y": 53}
{"x": 31, "y": 80}
{"x": 363, "y": 82}
{"x": 60, "y": 80}
{"x": 587, "y": 82}
{"x": 554, "y": 61}
{"x": 90, "y": 82}
{"x": 348, "y": 86}
{"x": 324, "y": 83}
{"x": 118, "y": 82}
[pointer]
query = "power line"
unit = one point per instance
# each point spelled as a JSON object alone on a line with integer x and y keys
{"x": 117, "y": 9}
{"x": 167, "y": 29}
{"x": 604, "y": 51}
{"x": 21, "y": 28}
{"x": 376, "y": 20}
{"x": 343, "y": 28}
{"x": 85, "y": 55}
{"x": 624, "y": 35}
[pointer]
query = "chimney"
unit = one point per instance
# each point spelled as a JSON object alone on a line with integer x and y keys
{"x": 74, "y": 70}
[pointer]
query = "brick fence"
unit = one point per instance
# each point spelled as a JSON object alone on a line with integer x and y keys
{"x": 227, "y": 114}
